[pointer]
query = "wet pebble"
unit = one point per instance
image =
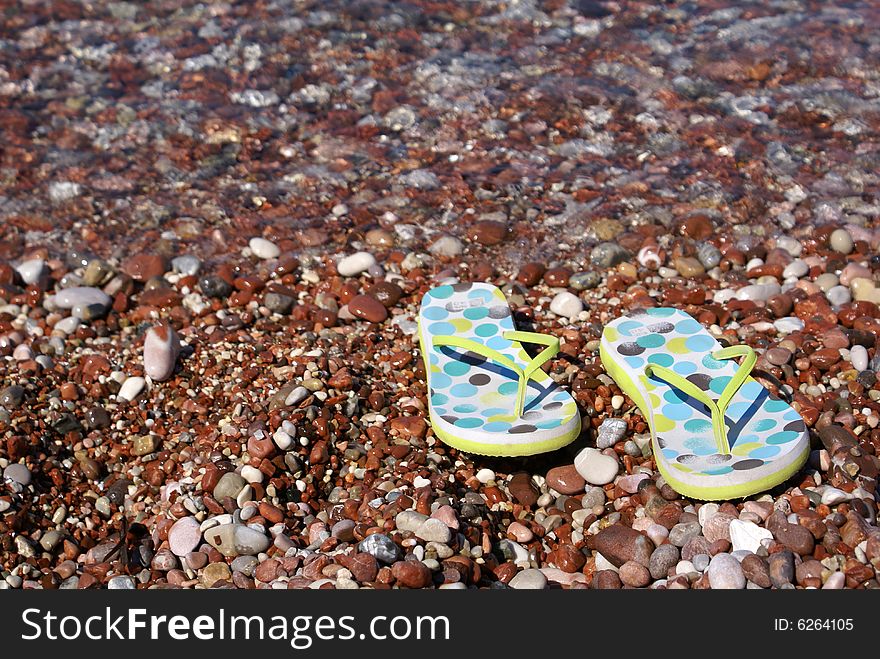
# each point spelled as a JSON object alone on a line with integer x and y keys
{"x": 264, "y": 249}
{"x": 368, "y": 308}
{"x": 566, "y": 304}
{"x": 595, "y": 467}
{"x": 161, "y": 349}
{"x": 355, "y": 264}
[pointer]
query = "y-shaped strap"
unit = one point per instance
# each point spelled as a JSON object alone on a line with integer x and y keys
{"x": 717, "y": 409}
{"x": 524, "y": 374}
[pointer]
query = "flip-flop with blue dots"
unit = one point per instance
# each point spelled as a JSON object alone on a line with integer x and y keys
{"x": 486, "y": 394}
{"x": 717, "y": 433}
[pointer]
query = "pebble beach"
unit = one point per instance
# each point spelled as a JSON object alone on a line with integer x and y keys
{"x": 217, "y": 221}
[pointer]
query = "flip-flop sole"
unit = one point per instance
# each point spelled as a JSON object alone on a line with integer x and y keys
{"x": 471, "y": 398}
{"x": 769, "y": 441}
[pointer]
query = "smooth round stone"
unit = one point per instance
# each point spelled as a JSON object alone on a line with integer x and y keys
{"x": 409, "y": 520}
{"x": 708, "y": 255}
{"x": 758, "y": 292}
{"x": 343, "y": 530}
{"x": 434, "y": 530}
{"x": 296, "y": 396}
{"x": 237, "y": 540}
{"x": 264, "y": 249}
{"x": 485, "y": 475}
{"x": 565, "y": 480}
{"x": 581, "y": 281}
{"x": 186, "y": 265}
{"x": 184, "y": 536}
{"x": 252, "y": 474}
{"x": 790, "y": 245}
{"x": 634, "y": 574}
{"x": 446, "y": 246}
{"x": 215, "y": 286}
{"x": 120, "y": 583}
{"x": 832, "y": 496}
{"x": 608, "y": 254}
{"x": 629, "y": 483}
{"x": 838, "y": 296}
{"x": 595, "y": 467}
{"x": 81, "y": 296}
{"x": 854, "y": 271}
{"x": 841, "y": 241}
{"x": 566, "y": 304}
{"x": 68, "y": 325}
{"x": 778, "y": 356}
{"x": 229, "y": 485}
{"x": 161, "y": 348}
{"x": 12, "y": 396}
{"x": 18, "y": 473}
{"x": 520, "y": 532}
{"x": 663, "y": 558}
{"x": 796, "y": 269}
{"x": 32, "y": 271}
{"x": 859, "y": 357}
{"x": 131, "y": 388}
{"x": 354, "y": 264}
{"x": 826, "y": 281}
{"x": 788, "y": 325}
{"x": 368, "y": 308}
{"x": 530, "y": 579}
{"x": 725, "y": 573}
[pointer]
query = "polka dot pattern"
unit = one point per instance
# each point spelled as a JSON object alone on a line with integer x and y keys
{"x": 475, "y": 394}
{"x": 760, "y": 427}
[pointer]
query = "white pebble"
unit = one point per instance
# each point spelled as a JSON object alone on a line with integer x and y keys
{"x": 282, "y": 440}
{"x": 161, "y": 348}
{"x": 448, "y": 246}
{"x": 747, "y": 536}
{"x": 131, "y": 388}
{"x": 595, "y": 467}
{"x": 252, "y": 474}
{"x": 841, "y": 241}
{"x": 617, "y": 402}
{"x": 796, "y": 269}
{"x": 859, "y": 357}
{"x": 485, "y": 475}
{"x": 32, "y": 271}
{"x": 264, "y": 249}
{"x": 566, "y": 304}
{"x": 296, "y": 396}
{"x": 788, "y": 325}
{"x": 758, "y": 292}
{"x": 838, "y": 295}
{"x": 356, "y": 263}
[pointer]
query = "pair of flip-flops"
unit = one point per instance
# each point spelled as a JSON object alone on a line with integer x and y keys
{"x": 716, "y": 432}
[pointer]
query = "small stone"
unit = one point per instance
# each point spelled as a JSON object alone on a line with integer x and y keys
{"x": 608, "y": 254}
{"x": 796, "y": 538}
{"x": 434, "y": 530}
{"x": 32, "y": 271}
{"x": 859, "y": 357}
{"x": 237, "y": 540}
{"x": 708, "y": 255}
{"x": 520, "y": 532}
{"x": 841, "y": 241}
{"x": 684, "y": 531}
{"x": 620, "y": 544}
{"x": 788, "y": 325}
{"x": 411, "y": 574}
{"x": 610, "y": 432}
{"x": 229, "y": 485}
{"x": 81, "y": 296}
{"x": 522, "y": 489}
{"x": 485, "y": 475}
{"x": 367, "y": 308}
{"x": 17, "y": 473}
{"x": 662, "y": 559}
{"x": 688, "y": 267}
{"x": 595, "y": 467}
{"x": 215, "y": 572}
{"x": 796, "y": 269}
{"x": 296, "y": 396}
{"x": 184, "y": 536}
{"x": 186, "y": 265}
{"x": 717, "y": 527}
{"x": 747, "y": 536}
{"x": 161, "y": 348}
{"x": 264, "y": 249}
{"x": 143, "y": 267}
{"x": 12, "y": 396}
{"x": 565, "y": 479}
{"x": 634, "y": 574}
{"x": 121, "y": 582}
{"x": 381, "y": 547}
{"x": 487, "y": 232}
{"x": 755, "y": 570}
{"x": 144, "y": 444}
{"x": 725, "y": 573}
{"x": 566, "y": 304}
{"x": 781, "y": 568}
{"x": 215, "y": 286}
{"x": 131, "y": 388}
{"x": 278, "y": 302}
{"x": 446, "y": 246}
{"x": 355, "y": 264}
{"x": 529, "y": 579}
